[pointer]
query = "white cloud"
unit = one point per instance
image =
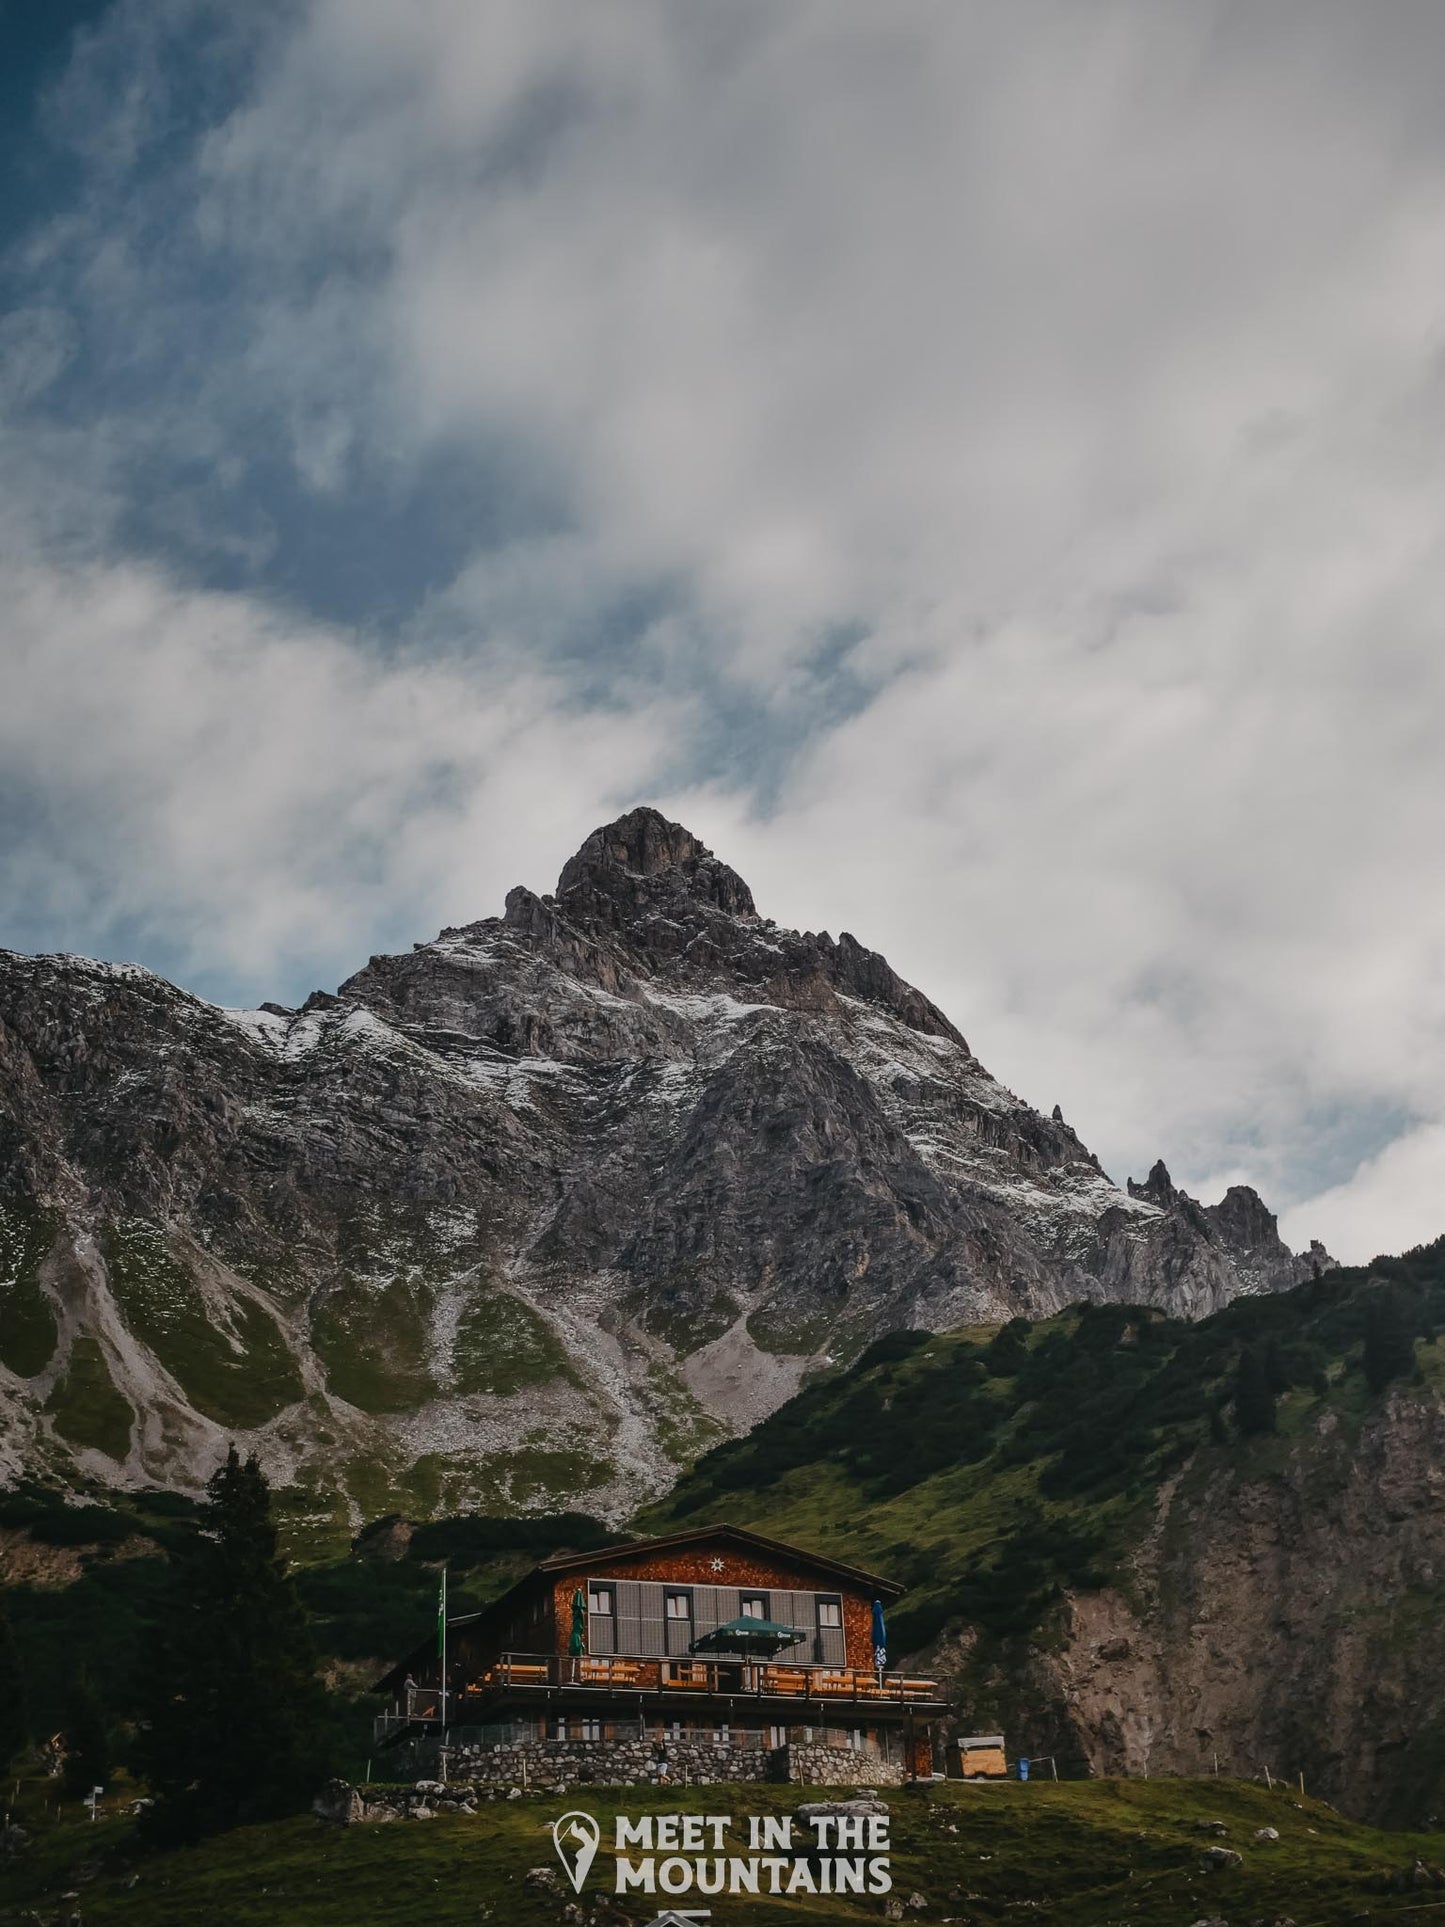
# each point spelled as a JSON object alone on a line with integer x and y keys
{"x": 258, "y": 797}
{"x": 1401, "y": 1191}
{"x": 1057, "y": 390}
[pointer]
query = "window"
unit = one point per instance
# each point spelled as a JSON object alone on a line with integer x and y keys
{"x": 599, "y": 1600}
{"x": 679, "y": 1605}
{"x": 830, "y": 1612}
{"x": 755, "y": 1605}
{"x": 590, "y": 1729}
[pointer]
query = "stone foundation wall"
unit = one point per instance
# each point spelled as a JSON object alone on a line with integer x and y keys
{"x": 549, "y": 1765}
{"x": 618, "y": 1762}
{"x": 835, "y": 1766}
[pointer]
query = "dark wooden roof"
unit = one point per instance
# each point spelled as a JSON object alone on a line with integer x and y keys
{"x": 735, "y": 1535}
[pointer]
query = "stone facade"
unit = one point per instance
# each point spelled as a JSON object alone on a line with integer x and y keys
{"x": 835, "y": 1766}
{"x": 616, "y": 1762}
{"x": 550, "y": 1764}
{"x": 511, "y": 1772}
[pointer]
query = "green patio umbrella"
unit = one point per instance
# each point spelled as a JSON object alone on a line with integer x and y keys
{"x": 577, "y": 1644}
{"x": 751, "y": 1638}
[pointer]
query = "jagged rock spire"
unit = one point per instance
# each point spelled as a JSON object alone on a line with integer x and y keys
{"x": 644, "y": 847}
{"x": 1157, "y": 1188}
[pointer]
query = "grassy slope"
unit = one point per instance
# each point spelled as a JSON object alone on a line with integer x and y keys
{"x": 989, "y": 1471}
{"x": 28, "y": 1331}
{"x": 238, "y": 1378}
{"x": 1079, "y": 1855}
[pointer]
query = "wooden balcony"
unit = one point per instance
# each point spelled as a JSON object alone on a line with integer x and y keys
{"x": 548, "y": 1674}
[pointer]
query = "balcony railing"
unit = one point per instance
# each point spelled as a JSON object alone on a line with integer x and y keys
{"x": 699, "y": 1676}
{"x": 547, "y": 1673}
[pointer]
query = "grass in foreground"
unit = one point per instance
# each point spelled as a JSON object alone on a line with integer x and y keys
{"x": 1081, "y": 1854}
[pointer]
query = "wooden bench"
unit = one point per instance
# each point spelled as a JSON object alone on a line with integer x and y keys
{"x": 685, "y": 1672}
{"x": 607, "y": 1671}
{"x": 521, "y": 1672}
{"x": 784, "y": 1679}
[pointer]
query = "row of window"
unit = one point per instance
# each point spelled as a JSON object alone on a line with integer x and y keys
{"x": 602, "y": 1600}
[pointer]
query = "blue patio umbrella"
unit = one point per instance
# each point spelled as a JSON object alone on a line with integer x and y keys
{"x": 880, "y": 1636}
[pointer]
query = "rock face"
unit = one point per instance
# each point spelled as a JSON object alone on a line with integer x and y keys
{"x": 1283, "y": 1618}
{"x": 529, "y": 1215}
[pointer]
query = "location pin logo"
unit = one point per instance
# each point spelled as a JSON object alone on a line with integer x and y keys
{"x": 576, "y": 1837}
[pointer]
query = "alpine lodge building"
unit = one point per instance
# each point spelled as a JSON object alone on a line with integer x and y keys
{"x": 707, "y": 1655}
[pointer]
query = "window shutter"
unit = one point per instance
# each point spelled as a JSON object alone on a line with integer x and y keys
{"x": 629, "y": 1618}
{"x": 796, "y": 1609}
{"x": 710, "y": 1609}
{"x": 602, "y": 1631}
{"x": 652, "y": 1642}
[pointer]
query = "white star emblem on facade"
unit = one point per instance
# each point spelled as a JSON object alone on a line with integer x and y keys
{"x": 718, "y": 1564}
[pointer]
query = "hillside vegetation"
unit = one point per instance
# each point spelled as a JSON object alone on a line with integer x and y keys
{"x": 1076, "y": 1855}
{"x": 991, "y": 1470}
{"x": 999, "y": 1473}
{"x": 97, "y": 1573}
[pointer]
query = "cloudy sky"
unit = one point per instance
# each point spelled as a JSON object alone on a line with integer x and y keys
{"x": 981, "y": 465}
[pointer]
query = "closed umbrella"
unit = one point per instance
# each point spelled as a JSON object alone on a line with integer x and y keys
{"x": 577, "y": 1644}
{"x": 880, "y": 1637}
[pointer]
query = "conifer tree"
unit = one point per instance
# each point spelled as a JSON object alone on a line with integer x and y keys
{"x": 1276, "y": 1371}
{"x": 1253, "y": 1400}
{"x": 14, "y": 1730}
{"x": 1008, "y": 1353}
{"x": 237, "y": 1716}
{"x": 1389, "y": 1339}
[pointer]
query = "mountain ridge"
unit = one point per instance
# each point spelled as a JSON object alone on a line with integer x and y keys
{"x": 534, "y": 1211}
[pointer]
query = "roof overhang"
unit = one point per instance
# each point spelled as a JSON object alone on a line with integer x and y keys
{"x": 735, "y": 1535}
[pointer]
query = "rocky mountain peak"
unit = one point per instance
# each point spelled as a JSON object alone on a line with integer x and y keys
{"x": 641, "y": 858}
{"x": 547, "y": 1203}
{"x": 1157, "y": 1188}
{"x": 1245, "y": 1219}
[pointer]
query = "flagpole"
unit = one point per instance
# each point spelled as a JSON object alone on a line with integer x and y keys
{"x": 444, "y": 1655}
